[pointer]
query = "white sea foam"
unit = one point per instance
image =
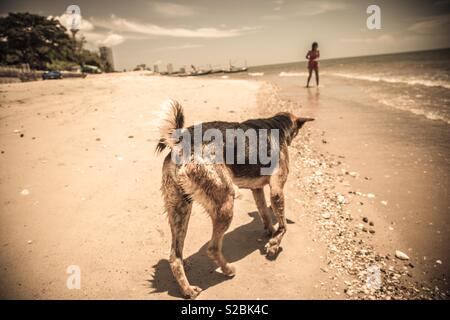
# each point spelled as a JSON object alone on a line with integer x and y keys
{"x": 402, "y": 105}
{"x": 292, "y": 74}
{"x": 409, "y": 81}
{"x": 256, "y": 74}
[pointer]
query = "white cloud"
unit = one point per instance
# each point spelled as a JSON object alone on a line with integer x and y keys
{"x": 432, "y": 25}
{"x": 313, "y": 8}
{"x": 278, "y": 3}
{"x": 96, "y": 39}
{"x": 385, "y": 38}
{"x": 180, "y": 47}
{"x": 168, "y": 9}
{"x": 111, "y": 40}
{"x": 123, "y": 25}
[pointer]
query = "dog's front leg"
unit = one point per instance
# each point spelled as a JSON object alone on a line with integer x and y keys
{"x": 260, "y": 200}
{"x": 277, "y": 202}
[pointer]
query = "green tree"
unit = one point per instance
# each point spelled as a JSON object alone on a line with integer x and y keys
{"x": 34, "y": 39}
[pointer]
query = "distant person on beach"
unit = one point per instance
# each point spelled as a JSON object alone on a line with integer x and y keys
{"x": 313, "y": 64}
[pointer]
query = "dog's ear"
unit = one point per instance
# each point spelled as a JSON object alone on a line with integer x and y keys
{"x": 301, "y": 121}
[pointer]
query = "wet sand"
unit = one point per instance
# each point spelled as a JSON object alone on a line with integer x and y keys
{"x": 401, "y": 158}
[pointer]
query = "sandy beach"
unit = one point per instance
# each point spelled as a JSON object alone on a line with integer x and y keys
{"x": 79, "y": 185}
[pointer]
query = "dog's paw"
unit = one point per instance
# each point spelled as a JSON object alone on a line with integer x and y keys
{"x": 191, "y": 292}
{"x": 272, "y": 248}
{"x": 229, "y": 270}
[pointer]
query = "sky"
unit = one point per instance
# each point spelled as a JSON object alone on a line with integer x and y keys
{"x": 256, "y": 32}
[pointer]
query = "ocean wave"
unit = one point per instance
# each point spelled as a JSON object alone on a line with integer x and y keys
{"x": 292, "y": 74}
{"x": 422, "y": 82}
{"x": 256, "y": 74}
{"x": 431, "y": 115}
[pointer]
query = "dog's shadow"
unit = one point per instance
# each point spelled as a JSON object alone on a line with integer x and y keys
{"x": 200, "y": 270}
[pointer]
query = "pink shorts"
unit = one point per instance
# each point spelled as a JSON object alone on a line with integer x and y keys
{"x": 313, "y": 65}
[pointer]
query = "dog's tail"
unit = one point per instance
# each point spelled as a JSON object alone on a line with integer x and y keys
{"x": 171, "y": 120}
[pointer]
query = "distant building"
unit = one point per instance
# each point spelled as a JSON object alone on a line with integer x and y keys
{"x": 169, "y": 68}
{"x": 156, "y": 68}
{"x": 107, "y": 58}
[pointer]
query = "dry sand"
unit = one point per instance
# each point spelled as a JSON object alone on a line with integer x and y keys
{"x": 81, "y": 187}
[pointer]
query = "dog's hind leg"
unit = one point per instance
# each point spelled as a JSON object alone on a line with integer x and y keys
{"x": 260, "y": 200}
{"x": 179, "y": 218}
{"x": 221, "y": 218}
{"x": 178, "y": 207}
{"x": 212, "y": 187}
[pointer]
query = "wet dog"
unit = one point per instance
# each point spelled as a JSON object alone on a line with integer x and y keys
{"x": 212, "y": 183}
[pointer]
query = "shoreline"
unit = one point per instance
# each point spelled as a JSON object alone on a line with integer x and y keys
{"x": 352, "y": 136}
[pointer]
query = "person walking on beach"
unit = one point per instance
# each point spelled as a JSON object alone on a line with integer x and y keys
{"x": 313, "y": 64}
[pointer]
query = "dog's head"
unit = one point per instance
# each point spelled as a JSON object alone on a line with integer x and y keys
{"x": 296, "y": 123}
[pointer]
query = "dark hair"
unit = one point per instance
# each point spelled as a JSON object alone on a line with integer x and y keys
{"x": 315, "y": 44}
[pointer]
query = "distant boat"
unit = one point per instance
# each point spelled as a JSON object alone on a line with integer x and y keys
{"x": 194, "y": 73}
{"x": 235, "y": 69}
{"x": 216, "y": 70}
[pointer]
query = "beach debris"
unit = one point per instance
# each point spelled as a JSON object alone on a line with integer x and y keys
{"x": 341, "y": 199}
{"x": 370, "y": 195}
{"x": 22, "y": 135}
{"x": 25, "y": 192}
{"x": 438, "y": 261}
{"x": 130, "y": 137}
{"x": 120, "y": 158}
{"x": 353, "y": 174}
{"x": 318, "y": 173}
{"x": 384, "y": 202}
{"x": 29, "y": 242}
{"x": 401, "y": 255}
{"x": 365, "y": 219}
{"x": 326, "y": 215}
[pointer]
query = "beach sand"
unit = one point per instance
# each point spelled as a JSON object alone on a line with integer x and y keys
{"x": 79, "y": 185}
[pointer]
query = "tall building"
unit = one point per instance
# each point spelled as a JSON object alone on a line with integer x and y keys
{"x": 107, "y": 58}
{"x": 169, "y": 68}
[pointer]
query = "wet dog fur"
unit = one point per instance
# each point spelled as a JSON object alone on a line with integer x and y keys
{"x": 213, "y": 186}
